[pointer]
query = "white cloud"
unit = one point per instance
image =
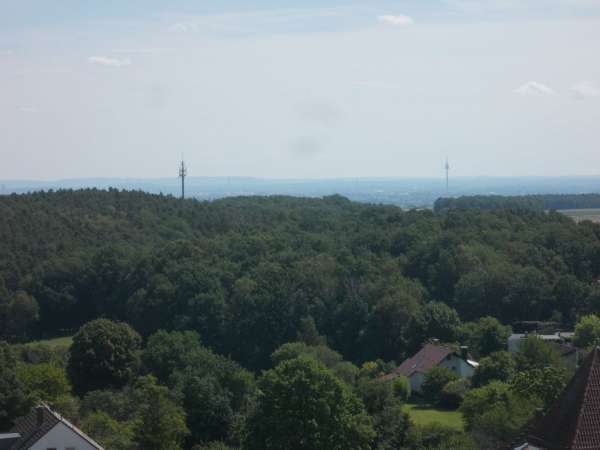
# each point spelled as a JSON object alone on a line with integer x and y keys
{"x": 109, "y": 62}
{"x": 179, "y": 28}
{"x": 586, "y": 89}
{"x": 142, "y": 50}
{"x": 397, "y": 21}
{"x": 535, "y": 88}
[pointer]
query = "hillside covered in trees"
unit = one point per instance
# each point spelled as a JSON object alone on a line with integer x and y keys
{"x": 540, "y": 202}
{"x": 245, "y": 272}
{"x": 267, "y": 323}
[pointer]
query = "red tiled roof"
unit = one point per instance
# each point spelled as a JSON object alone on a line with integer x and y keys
{"x": 427, "y": 358}
{"x": 573, "y": 421}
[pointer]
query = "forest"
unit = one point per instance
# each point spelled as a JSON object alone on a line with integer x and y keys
{"x": 539, "y": 202}
{"x": 212, "y": 308}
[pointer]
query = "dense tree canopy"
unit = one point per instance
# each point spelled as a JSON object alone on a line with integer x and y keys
{"x": 314, "y": 298}
{"x": 303, "y": 406}
{"x": 250, "y": 274}
{"x": 104, "y": 354}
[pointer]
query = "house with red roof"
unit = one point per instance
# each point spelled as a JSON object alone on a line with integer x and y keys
{"x": 430, "y": 356}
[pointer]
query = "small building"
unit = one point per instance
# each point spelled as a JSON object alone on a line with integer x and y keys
{"x": 430, "y": 356}
{"x": 44, "y": 429}
{"x": 559, "y": 337}
{"x": 573, "y": 421}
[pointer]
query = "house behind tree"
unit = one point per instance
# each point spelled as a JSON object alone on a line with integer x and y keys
{"x": 432, "y": 355}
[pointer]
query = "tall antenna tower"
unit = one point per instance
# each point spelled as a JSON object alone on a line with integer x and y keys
{"x": 447, "y": 168}
{"x": 182, "y": 175}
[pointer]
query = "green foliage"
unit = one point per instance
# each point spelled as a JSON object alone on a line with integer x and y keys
{"x": 538, "y": 202}
{"x": 376, "y": 394}
{"x": 248, "y": 274}
{"x": 309, "y": 334}
{"x": 497, "y": 366}
{"x": 434, "y": 382}
{"x": 13, "y": 399}
{"x": 438, "y": 437}
{"x": 453, "y": 393}
{"x": 44, "y": 382}
{"x": 160, "y": 423}
{"x": 401, "y": 387}
{"x": 167, "y": 352}
{"x": 109, "y": 432}
{"x": 435, "y": 320}
{"x": 484, "y": 336}
{"x": 587, "y": 332}
{"x": 303, "y": 406}
{"x": 495, "y": 410}
{"x": 543, "y": 384}
{"x": 392, "y": 425}
{"x": 534, "y": 353}
{"x": 103, "y": 354}
{"x": 331, "y": 359}
{"x": 40, "y": 352}
{"x": 18, "y": 315}
{"x": 208, "y": 407}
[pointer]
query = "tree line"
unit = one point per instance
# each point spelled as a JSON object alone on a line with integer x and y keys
{"x": 538, "y": 202}
{"x": 245, "y": 273}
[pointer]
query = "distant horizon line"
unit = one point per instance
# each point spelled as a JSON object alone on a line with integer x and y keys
{"x": 279, "y": 179}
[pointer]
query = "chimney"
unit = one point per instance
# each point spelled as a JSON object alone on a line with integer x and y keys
{"x": 39, "y": 413}
{"x": 464, "y": 352}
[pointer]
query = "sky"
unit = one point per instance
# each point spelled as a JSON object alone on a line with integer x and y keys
{"x": 302, "y": 89}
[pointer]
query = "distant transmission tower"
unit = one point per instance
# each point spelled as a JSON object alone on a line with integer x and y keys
{"x": 182, "y": 175}
{"x": 447, "y": 167}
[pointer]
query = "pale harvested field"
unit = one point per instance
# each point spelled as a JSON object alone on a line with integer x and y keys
{"x": 583, "y": 214}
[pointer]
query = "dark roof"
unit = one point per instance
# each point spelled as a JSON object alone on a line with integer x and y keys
{"x": 573, "y": 421}
{"x": 37, "y": 423}
{"x": 33, "y": 426}
{"x": 427, "y": 358}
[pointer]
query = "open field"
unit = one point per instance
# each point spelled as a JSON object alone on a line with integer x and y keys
{"x": 424, "y": 415}
{"x": 583, "y": 214}
{"x": 65, "y": 341}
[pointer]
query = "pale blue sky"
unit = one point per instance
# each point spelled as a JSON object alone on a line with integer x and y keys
{"x": 299, "y": 89}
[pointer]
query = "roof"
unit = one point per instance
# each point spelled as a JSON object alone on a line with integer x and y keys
{"x": 38, "y": 423}
{"x": 427, "y": 358}
{"x": 573, "y": 421}
{"x": 8, "y": 439}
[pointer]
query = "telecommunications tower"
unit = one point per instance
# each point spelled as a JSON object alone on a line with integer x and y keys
{"x": 182, "y": 175}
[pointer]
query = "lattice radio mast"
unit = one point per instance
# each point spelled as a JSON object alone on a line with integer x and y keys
{"x": 182, "y": 175}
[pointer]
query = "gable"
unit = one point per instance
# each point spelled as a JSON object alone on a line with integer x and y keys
{"x": 61, "y": 437}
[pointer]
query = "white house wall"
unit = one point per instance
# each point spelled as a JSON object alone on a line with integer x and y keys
{"x": 458, "y": 366}
{"x": 416, "y": 380}
{"x": 62, "y": 437}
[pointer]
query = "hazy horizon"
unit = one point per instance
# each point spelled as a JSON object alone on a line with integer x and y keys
{"x": 316, "y": 90}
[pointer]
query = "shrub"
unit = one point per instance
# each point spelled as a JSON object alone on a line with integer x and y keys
{"x": 453, "y": 393}
{"x": 435, "y": 380}
{"x": 401, "y": 387}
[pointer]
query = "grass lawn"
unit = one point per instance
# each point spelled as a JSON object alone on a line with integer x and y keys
{"x": 422, "y": 414}
{"x": 56, "y": 342}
